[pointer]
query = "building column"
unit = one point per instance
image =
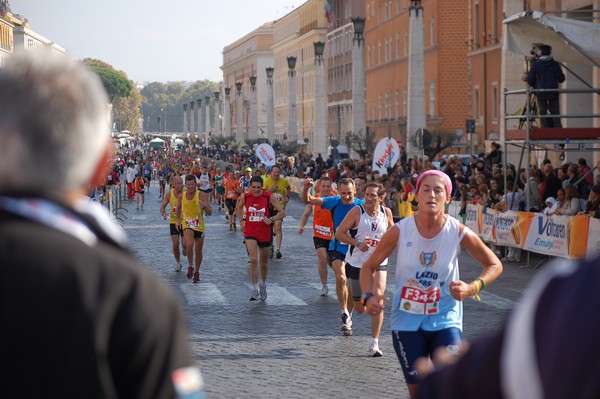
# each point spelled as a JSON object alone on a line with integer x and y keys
{"x": 415, "y": 120}
{"x": 207, "y": 128}
{"x": 192, "y": 130}
{"x": 319, "y": 143}
{"x": 292, "y": 108}
{"x": 227, "y": 111}
{"x": 185, "y": 126}
{"x": 359, "y": 124}
{"x": 253, "y": 126}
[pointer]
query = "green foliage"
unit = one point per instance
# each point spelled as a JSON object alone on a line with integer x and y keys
{"x": 363, "y": 143}
{"x": 116, "y": 83}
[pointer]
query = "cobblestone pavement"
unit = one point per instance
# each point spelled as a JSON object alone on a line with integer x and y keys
{"x": 290, "y": 345}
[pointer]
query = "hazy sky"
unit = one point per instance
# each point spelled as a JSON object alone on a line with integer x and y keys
{"x": 151, "y": 40}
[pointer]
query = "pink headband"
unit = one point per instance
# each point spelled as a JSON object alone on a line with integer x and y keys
{"x": 437, "y": 173}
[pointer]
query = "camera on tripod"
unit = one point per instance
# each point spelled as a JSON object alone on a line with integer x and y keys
{"x": 535, "y": 54}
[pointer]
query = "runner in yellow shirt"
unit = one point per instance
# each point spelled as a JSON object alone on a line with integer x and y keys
{"x": 280, "y": 188}
{"x": 190, "y": 218}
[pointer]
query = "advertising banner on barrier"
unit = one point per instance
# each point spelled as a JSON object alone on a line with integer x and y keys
{"x": 454, "y": 209}
{"x": 549, "y": 235}
{"x": 473, "y": 218}
{"x": 593, "y": 241}
{"x": 266, "y": 154}
{"x": 386, "y": 154}
{"x": 511, "y": 228}
{"x": 577, "y": 236}
{"x": 488, "y": 233}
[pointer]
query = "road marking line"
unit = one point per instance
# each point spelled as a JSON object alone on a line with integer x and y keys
{"x": 332, "y": 293}
{"x": 202, "y": 294}
{"x": 279, "y": 296}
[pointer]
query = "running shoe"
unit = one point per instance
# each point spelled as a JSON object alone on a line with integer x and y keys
{"x": 263, "y": 292}
{"x": 190, "y": 272}
{"x": 255, "y": 295}
{"x": 374, "y": 350}
{"x": 346, "y": 324}
{"x": 178, "y": 267}
{"x": 196, "y": 277}
{"x": 324, "y": 290}
{"x": 278, "y": 255}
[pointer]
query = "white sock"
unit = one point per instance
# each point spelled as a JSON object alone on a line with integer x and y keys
{"x": 254, "y": 286}
{"x": 375, "y": 340}
{"x": 264, "y": 282}
{"x": 345, "y": 311}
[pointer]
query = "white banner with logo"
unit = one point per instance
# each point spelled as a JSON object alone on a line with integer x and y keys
{"x": 549, "y": 235}
{"x": 266, "y": 154}
{"x": 386, "y": 154}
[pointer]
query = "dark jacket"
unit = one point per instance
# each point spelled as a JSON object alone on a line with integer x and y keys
{"x": 80, "y": 320}
{"x": 546, "y": 74}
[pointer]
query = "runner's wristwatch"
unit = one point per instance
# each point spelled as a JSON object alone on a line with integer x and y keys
{"x": 365, "y": 297}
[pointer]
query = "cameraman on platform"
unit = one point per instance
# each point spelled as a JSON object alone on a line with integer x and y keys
{"x": 545, "y": 73}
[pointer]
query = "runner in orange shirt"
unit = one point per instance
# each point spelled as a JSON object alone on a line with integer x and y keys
{"x": 322, "y": 229}
{"x": 233, "y": 189}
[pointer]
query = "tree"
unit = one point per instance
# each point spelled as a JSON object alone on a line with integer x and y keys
{"x": 440, "y": 140}
{"x": 363, "y": 143}
{"x": 126, "y": 111}
{"x": 115, "y": 82}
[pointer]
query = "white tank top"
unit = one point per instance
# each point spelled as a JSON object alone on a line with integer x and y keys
{"x": 424, "y": 269}
{"x": 204, "y": 181}
{"x": 370, "y": 230}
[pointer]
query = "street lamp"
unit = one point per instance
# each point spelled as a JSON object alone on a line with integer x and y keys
{"x": 292, "y": 111}
{"x": 270, "y": 106}
{"x": 164, "y": 119}
{"x": 239, "y": 135}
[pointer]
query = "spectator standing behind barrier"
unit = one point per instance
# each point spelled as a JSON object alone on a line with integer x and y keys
{"x": 546, "y": 74}
{"x": 79, "y": 316}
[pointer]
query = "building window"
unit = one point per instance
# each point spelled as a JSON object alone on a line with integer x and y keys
{"x": 432, "y": 32}
{"x": 495, "y": 102}
{"x": 405, "y": 43}
{"x": 397, "y": 45}
{"x": 432, "y": 99}
{"x": 397, "y": 105}
{"x": 476, "y": 33}
{"x": 494, "y": 21}
{"x": 404, "y": 103}
{"x": 476, "y": 105}
{"x": 379, "y": 54}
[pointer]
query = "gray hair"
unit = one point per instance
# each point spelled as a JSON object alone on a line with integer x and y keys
{"x": 54, "y": 123}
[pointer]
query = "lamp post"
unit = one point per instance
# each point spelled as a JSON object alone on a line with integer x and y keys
{"x": 164, "y": 109}
{"x": 227, "y": 106}
{"x": 359, "y": 125}
{"x": 270, "y": 106}
{"x": 292, "y": 110}
{"x": 239, "y": 134}
{"x": 320, "y": 137}
{"x": 253, "y": 126}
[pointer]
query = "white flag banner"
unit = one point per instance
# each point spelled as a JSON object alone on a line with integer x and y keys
{"x": 266, "y": 154}
{"x": 386, "y": 154}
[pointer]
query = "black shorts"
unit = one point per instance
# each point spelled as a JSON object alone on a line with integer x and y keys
{"x": 197, "y": 234}
{"x": 261, "y": 244}
{"x": 174, "y": 231}
{"x": 321, "y": 243}
{"x": 220, "y": 190}
{"x": 336, "y": 255}
{"x": 230, "y": 204}
{"x": 207, "y": 190}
